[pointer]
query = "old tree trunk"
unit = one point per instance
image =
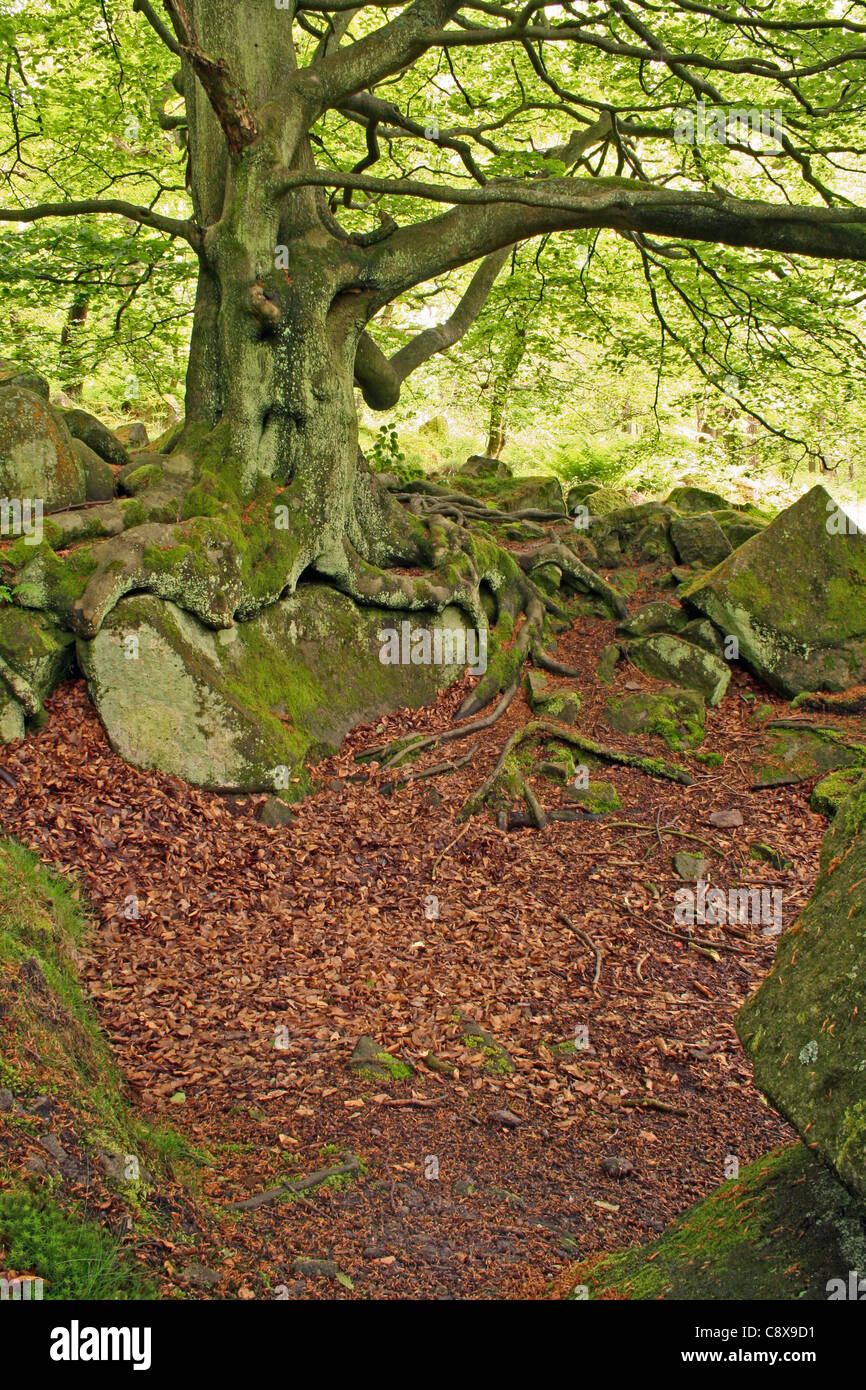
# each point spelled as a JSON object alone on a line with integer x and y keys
{"x": 251, "y": 565}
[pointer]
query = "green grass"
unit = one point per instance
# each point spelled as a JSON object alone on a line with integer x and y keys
{"x": 52, "y": 1045}
{"x": 76, "y": 1258}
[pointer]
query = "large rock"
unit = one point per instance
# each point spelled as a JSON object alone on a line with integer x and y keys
{"x": 35, "y": 656}
{"x": 604, "y": 500}
{"x": 669, "y": 658}
{"x": 99, "y": 476}
{"x": 541, "y": 494}
{"x": 639, "y": 533}
{"x": 695, "y": 499}
{"x": 37, "y": 460}
{"x": 795, "y": 599}
{"x": 805, "y": 1029}
{"x": 244, "y": 707}
{"x": 787, "y": 755}
{"x": 677, "y": 716}
{"x": 480, "y": 466}
{"x": 699, "y": 540}
{"x": 96, "y": 436}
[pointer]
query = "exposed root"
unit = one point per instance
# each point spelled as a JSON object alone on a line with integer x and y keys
{"x": 508, "y": 782}
{"x": 580, "y": 575}
{"x": 417, "y": 743}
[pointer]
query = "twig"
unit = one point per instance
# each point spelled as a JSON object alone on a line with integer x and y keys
{"x": 287, "y": 1189}
{"x": 587, "y": 941}
{"x": 438, "y": 860}
{"x": 650, "y": 1103}
{"x": 684, "y": 936}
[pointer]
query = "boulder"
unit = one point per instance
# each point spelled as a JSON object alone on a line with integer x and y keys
{"x": 242, "y": 708}
{"x": 805, "y": 1028}
{"x": 596, "y": 798}
{"x": 96, "y": 436}
{"x": 794, "y": 596}
{"x": 37, "y": 460}
{"x": 638, "y": 533}
{"x": 699, "y": 540}
{"x": 604, "y": 500}
{"x": 676, "y": 716}
{"x": 98, "y": 475}
{"x": 35, "y": 656}
{"x": 831, "y": 791}
{"x": 669, "y": 658}
{"x": 30, "y": 381}
{"x": 655, "y": 616}
{"x": 133, "y": 435}
{"x": 696, "y": 499}
{"x": 549, "y": 701}
{"x": 786, "y": 755}
{"x": 480, "y": 466}
{"x": 543, "y": 494}
{"x": 578, "y": 492}
{"x": 739, "y": 527}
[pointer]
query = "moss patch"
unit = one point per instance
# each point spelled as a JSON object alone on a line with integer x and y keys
{"x": 781, "y": 1231}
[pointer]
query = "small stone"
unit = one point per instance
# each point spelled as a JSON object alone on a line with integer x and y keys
{"x": 505, "y": 1119}
{"x": 275, "y": 813}
{"x": 52, "y": 1145}
{"x": 6, "y": 1098}
{"x": 200, "y": 1276}
{"x": 617, "y": 1167}
{"x": 315, "y": 1269}
{"x": 690, "y": 867}
{"x": 766, "y": 854}
{"x": 726, "y": 820}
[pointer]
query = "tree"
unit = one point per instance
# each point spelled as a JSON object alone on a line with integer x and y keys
{"x": 592, "y": 119}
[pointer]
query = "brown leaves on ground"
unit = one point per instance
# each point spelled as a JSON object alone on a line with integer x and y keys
{"x": 235, "y": 967}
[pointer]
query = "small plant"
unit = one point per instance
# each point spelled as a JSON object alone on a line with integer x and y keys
{"x": 386, "y": 452}
{"x": 77, "y": 1258}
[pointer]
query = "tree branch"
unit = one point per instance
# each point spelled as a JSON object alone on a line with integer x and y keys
{"x": 231, "y": 104}
{"x": 386, "y": 51}
{"x": 380, "y": 378}
{"x": 146, "y": 216}
{"x": 143, "y": 7}
{"x": 482, "y": 220}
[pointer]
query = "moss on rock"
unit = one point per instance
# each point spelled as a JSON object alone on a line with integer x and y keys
{"x": 805, "y": 1028}
{"x": 783, "y": 1230}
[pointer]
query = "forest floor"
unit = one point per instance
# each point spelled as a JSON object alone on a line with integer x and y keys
{"x": 260, "y": 956}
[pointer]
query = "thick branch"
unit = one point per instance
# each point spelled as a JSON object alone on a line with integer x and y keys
{"x": 143, "y": 7}
{"x": 231, "y": 105}
{"x": 146, "y": 216}
{"x": 387, "y": 50}
{"x": 380, "y": 379}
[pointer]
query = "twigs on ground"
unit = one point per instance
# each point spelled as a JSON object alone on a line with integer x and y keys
{"x": 587, "y": 941}
{"x": 288, "y": 1189}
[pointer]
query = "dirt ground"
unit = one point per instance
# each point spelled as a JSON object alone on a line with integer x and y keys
{"x": 260, "y": 956}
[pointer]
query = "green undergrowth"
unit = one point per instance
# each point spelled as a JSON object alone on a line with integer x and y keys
{"x": 51, "y": 1047}
{"x": 782, "y": 1230}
